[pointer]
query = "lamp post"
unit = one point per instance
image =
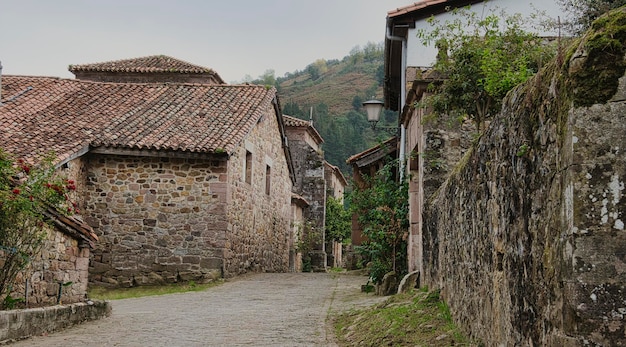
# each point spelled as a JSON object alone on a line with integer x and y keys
{"x": 373, "y": 109}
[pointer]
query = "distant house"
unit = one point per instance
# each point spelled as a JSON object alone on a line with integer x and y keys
{"x": 298, "y": 206}
{"x": 336, "y": 184}
{"x": 308, "y": 161}
{"x": 179, "y": 181}
{"x": 316, "y": 179}
{"x": 335, "y": 181}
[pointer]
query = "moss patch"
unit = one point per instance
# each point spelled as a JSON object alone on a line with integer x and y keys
{"x": 598, "y": 63}
{"x": 418, "y": 318}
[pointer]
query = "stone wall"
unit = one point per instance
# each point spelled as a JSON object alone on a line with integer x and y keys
{"x": 526, "y": 238}
{"x": 62, "y": 262}
{"x": 259, "y": 218}
{"x": 158, "y": 219}
{"x": 20, "y": 324}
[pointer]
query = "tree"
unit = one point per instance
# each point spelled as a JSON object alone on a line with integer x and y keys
{"x": 337, "y": 220}
{"x": 268, "y": 78}
{"x": 293, "y": 109}
{"x": 480, "y": 60}
{"x": 584, "y": 12}
{"x": 382, "y": 208}
{"x": 26, "y": 193}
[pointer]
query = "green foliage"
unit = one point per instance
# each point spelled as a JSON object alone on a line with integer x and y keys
{"x": 522, "y": 150}
{"x": 26, "y": 192}
{"x": 382, "y": 210}
{"x": 338, "y": 222}
{"x": 481, "y": 59}
{"x": 10, "y": 302}
{"x": 104, "y": 293}
{"x": 583, "y": 12}
{"x": 306, "y": 239}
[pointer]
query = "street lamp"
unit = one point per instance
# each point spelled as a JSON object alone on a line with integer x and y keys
{"x": 373, "y": 109}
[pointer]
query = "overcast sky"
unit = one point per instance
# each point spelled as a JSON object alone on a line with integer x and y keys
{"x": 234, "y": 37}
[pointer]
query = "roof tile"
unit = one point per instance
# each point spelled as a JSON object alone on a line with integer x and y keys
{"x": 66, "y": 116}
{"x": 150, "y": 64}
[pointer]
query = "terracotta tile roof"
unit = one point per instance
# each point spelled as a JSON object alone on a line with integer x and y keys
{"x": 428, "y": 7}
{"x": 151, "y": 64}
{"x": 337, "y": 172}
{"x": 72, "y": 226}
{"x": 293, "y": 122}
{"x": 41, "y": 114}
{"x": 386, "y": 147}
{"x": 413, "y": 7}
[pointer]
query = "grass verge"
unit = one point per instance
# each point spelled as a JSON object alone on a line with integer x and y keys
{"x": 102, "y": 293}
{"x": 418, "y": 318}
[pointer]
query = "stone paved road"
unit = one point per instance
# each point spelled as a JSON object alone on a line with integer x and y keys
{"x": 252, "y": 310}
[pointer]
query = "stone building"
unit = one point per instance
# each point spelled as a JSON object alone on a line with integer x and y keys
{"x": 308, "y": 161}
{"x": 180, "y": 181}
{"x": 316, "y": 179}
{"x": 335, "y": 186}
{"x": 298, "y": 206}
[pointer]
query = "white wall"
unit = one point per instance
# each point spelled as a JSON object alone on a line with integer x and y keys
{"x": 419, "y": 55}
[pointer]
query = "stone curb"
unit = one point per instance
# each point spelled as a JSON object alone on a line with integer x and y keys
{"x": 21, "y": 324}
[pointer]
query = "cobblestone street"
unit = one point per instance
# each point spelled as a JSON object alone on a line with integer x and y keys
{"x": 253, "y": 310}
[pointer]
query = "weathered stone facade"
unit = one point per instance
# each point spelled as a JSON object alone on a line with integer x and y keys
{"x": 62, "y": 263}
{"x": 298, "y": 205}
{"x": 170, "y": 218}
{"x": 308, "y": 161}
{"x": 526, "y": 238}
{"x": 159, "y": 219}
{"x": 259, "y": 213}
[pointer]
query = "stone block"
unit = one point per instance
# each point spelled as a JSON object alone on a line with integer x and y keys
{"x": 409, "y": 282}
{"x": 211, "y": 263}
{"x": 191, "y": 259}
{"x": 389, "y": 284}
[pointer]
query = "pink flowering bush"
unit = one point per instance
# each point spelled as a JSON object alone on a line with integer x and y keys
{"x": 26, "y": 192}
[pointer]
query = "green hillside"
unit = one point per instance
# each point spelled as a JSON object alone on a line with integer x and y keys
{"x": 332, "y": 91}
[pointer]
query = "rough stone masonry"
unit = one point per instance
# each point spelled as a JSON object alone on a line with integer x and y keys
{"x": 526, "y": 238}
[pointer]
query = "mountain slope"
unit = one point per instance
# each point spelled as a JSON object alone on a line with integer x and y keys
{"x": 332, "y": 92}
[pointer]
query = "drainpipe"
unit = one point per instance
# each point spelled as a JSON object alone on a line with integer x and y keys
{"x": 402, "y": 154}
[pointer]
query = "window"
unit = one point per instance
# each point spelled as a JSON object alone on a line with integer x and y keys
{"x": 248, "y": 168}
{"x": 268, "y": 172}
